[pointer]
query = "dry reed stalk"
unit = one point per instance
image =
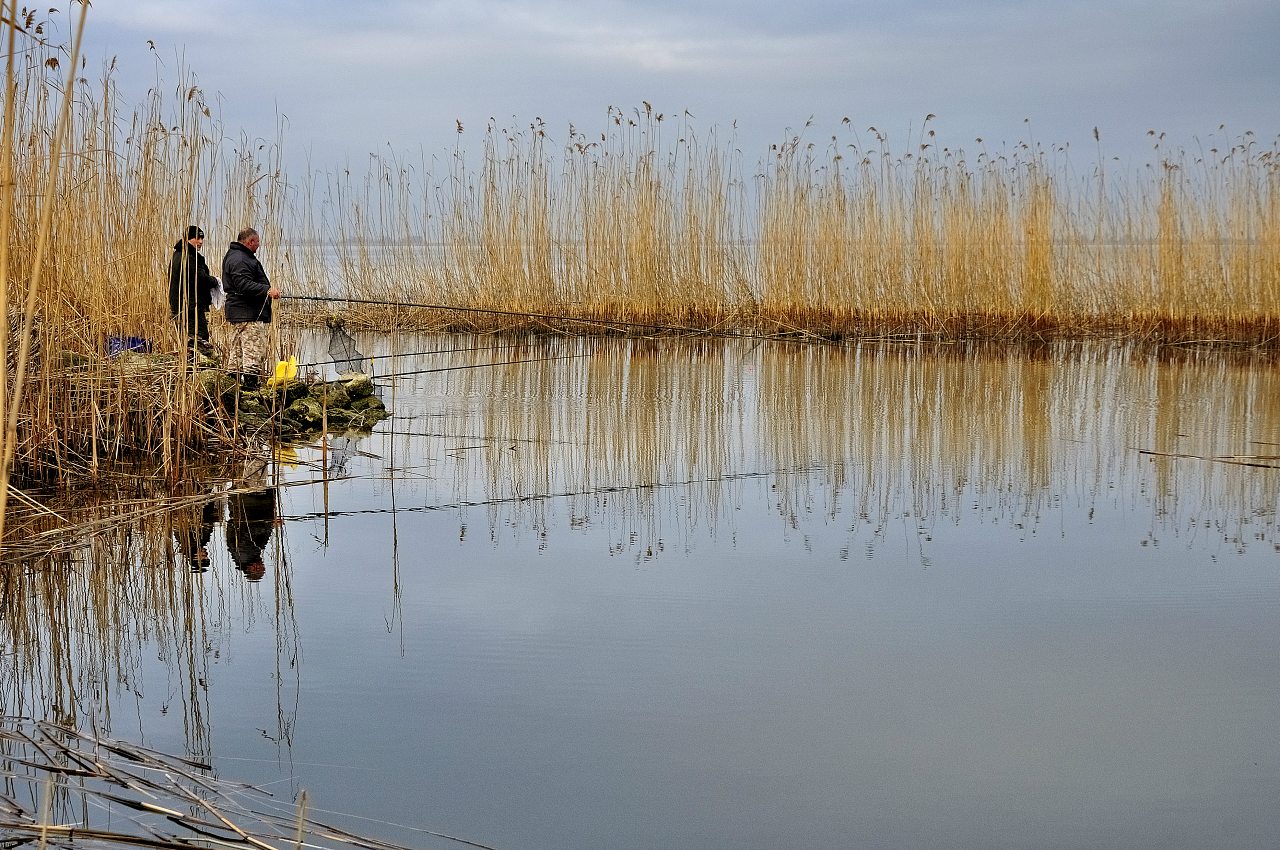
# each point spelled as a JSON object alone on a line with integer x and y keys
{"x": 6, "y": 213}
{"x": 41, "y": 241}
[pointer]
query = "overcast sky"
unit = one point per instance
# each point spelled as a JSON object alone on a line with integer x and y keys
{"x": 355, "y": 77}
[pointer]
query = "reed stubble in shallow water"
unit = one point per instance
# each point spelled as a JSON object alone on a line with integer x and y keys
{"x": 62, "y": 778}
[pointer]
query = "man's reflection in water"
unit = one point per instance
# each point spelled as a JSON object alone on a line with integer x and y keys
{"x": 251, "y": 516}
{"x": 193, "y": 537}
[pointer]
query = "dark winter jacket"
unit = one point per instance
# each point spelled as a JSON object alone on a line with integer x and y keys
{"x": 247, "y": 286}
{"x": 190, "y": 284}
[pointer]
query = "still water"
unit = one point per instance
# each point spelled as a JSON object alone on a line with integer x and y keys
{"x": 636, "y": 593}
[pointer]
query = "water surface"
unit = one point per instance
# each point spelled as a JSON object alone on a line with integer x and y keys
{"x": 635, "y": 593}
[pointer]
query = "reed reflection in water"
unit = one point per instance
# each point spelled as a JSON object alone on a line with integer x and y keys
{"x": 98, "y": 586}
{"x": 860, "y": 435}
{"x": 719, "y": 594}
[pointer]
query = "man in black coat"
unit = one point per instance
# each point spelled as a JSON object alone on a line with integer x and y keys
{"x": 191, "y": 291}
{"x": 248, "y": 306}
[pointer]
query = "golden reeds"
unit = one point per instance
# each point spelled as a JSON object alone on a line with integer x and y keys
{"x": 836, "y": 241}
{"x": 103, "y": 192}
{"x": 649, "y": 222}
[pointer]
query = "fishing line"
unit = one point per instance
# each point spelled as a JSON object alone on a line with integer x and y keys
{"x": 546, "y": 497}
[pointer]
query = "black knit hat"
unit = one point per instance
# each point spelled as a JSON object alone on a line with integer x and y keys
{"x": 194, "y": 232}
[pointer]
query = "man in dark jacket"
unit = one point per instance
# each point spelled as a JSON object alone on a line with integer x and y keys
{"x": 248, "y": 306}
{"x": 191, "y": 291}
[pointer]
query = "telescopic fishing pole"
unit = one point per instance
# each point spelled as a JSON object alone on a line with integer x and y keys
{"x": 481, "y": 365}
{"x": 798, "y": 336}
{"x": 424, "y": 353}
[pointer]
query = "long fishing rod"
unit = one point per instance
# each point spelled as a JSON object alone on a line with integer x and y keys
{"x": 479, "y": 366}
{"x": 391, "y": 432}
{"x": 423, "y": 353}
{"x": 803, "y": 337}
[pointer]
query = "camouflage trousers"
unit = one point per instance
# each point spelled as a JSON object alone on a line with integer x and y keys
{"x": 248, "y": 350}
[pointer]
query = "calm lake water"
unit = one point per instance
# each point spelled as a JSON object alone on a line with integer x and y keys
{"x": 718, "y": 594}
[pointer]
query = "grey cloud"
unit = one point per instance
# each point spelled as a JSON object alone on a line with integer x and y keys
{"x": 401, "y": 72}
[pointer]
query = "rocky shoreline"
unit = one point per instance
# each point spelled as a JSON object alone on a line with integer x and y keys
{"x": 299, "y": 408}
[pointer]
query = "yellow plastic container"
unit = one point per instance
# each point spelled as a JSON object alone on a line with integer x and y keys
{"x": 286, "y": 371}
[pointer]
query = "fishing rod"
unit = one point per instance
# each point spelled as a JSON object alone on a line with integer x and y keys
{"x": 423, "y": 353}
{"x": 803, "y": 337}
{"x": 480, "y": 365}
{"x": 534, "y": 441}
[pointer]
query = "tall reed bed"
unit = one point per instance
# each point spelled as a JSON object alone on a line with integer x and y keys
{"x": 100, "y": 191}
{"x": 650, "y": 221}
{"x": 647, "y": 221}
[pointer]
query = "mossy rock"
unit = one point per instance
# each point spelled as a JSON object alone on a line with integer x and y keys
{"x": 334, "y": 395}
{"x": 357, "y": 385}
{"x": 205, "y": 361}
{"x": 293, "y": 388}
{"x": 366, "y": 419}
{"x": 301, "y": 408}
{"x": 136, "y": 361}
{"x": 338, "y": 417}
{"x": 291, "y": 391}
{"x": 252, "y": 405}
{"x": 217, "y": 385}
{"x": 368, "y": 403}
{"x": 303, "y": 413}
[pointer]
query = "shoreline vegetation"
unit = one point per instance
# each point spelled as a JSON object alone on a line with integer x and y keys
{"x": 825, "y": 239}
{"x": 649, "y": 225}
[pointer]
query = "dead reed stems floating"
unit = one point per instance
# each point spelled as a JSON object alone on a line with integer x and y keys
{"x": 58, "y": 778}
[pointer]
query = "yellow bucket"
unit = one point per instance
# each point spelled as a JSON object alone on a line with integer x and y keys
{"x": 286, "y": 371}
